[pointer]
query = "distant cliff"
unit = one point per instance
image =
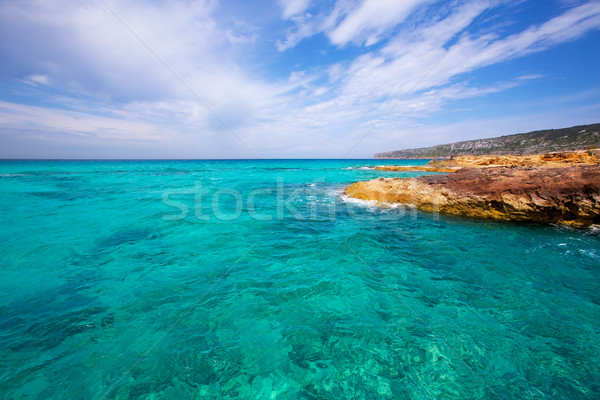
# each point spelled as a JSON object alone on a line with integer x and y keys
{"x": 566, "y": 139}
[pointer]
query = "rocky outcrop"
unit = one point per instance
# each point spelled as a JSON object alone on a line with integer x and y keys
{"x": 547, "y": 160}
{"x": 568, "y": 195}
{"x": 566, "y": 139}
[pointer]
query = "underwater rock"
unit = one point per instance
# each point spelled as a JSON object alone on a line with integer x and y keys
{"x": 425, "y": 168}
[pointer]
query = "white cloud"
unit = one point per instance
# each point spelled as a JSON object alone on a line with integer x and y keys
{"x": 403, "y": 66}
{"x": 372, "y": 18}
{"x": 84, "y": 47}
{"x": 37, "y": 79}
{"x": 362, "y": 22}
{"x": 422, "y": 64}
{"x": 473, "y": 53}
{"x": 53, "y": 123}
{"x": 416, "y": 75}
{"x": 305, "y": 26}
{"x": 293, "y": 7}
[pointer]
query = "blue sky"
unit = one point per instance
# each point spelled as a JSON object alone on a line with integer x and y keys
{"x": 288, "y": 79}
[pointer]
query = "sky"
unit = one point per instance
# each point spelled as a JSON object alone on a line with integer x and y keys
{"x": 145, "y": 79}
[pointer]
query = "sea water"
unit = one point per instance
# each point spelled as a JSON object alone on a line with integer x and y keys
{"x": 259, "y": 280}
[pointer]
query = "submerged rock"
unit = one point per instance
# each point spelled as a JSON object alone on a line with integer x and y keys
{"x": 567, "y": 195}
{"x": 425, "y": 168}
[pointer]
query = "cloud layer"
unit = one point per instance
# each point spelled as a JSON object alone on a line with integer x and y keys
{"x": 208, "y": 78}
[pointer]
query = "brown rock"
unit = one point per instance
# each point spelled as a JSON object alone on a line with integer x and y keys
{"x": 548, "y": 160}
{"x": 568, "y": 195}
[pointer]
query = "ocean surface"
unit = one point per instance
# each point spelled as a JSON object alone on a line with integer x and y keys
{"x": 259, "y": 280}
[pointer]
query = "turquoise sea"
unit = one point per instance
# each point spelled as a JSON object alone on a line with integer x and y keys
{"x": 259, "y": 280}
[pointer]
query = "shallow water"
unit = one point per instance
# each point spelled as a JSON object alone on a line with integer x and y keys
{"x": 257, "y": 279}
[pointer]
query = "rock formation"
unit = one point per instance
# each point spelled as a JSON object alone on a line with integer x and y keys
{"x": 566, "y": 195}
{"x": 547, "y": 160}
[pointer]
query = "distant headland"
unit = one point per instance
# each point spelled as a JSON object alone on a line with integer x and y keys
{"x": 580, "y": 137}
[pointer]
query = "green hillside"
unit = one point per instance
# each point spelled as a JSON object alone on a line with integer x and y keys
{"x": 565, "y": 139}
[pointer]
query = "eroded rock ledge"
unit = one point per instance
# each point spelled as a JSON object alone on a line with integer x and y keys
{"x": 564, "y": 195}
{"x": 548, "y": 160}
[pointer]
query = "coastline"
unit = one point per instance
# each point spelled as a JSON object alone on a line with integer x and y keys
{"x": 561, "y": 188}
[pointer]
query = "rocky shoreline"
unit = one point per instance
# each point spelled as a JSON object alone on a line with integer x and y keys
{"x": 561, "y": 188}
